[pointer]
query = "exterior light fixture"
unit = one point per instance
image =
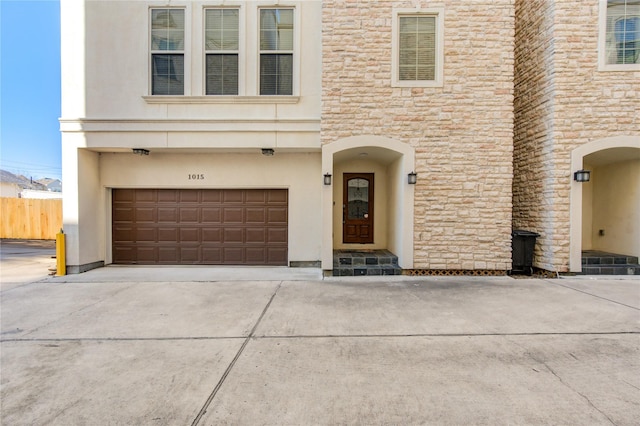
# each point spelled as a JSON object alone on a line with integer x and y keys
{"x": 327, "y": 178}
{"x": 140, "y": 151}
{"x": 582, "y": 176}
{"x": 267, "y": 151}
{"x": 412, "y": 178}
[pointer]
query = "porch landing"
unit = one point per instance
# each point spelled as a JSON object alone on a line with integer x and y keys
{"x": 348, "y": 263}
{"x": 596, "y": 262}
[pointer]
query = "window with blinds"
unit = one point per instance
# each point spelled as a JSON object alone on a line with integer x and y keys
{"x": 221, "y": 51}
{"x": 417, "y": 48}
{"x": 622, "y": 44}
{"x": 276, "y": 51}
{"x": 167, "y": 51}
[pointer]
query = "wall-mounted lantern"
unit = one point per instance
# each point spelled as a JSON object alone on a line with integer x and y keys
{"x": 267, "y": 151}
{"x": 412, "y": 178}
{"x": 140, "y": 151}
{"x": 327, "y": 178}
{"x": 582, "y": 176}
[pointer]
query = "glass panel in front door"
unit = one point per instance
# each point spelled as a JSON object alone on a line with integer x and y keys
{"x": 358, "y": 199}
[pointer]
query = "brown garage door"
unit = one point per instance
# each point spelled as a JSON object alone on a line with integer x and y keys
{"x": 200, "y": 226}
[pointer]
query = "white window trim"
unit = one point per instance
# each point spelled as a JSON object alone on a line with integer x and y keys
{"x": 186, "y": 51}
{"x": 242, "y": 55}
{"x": 602, "y": 38}
{"x": 295, "y": 90}
{"x": 438, "y": 13}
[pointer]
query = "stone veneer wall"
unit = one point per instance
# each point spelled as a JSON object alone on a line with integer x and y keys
{"x": 462, "y": 132}
{"x": 562, "y": 101}
{"x": 533, "y": 183}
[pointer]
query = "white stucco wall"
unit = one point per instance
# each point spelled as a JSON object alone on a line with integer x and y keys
{"x": 616, "y": 208}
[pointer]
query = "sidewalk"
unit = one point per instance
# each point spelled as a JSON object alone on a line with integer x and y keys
{"x": 101, "y": 349}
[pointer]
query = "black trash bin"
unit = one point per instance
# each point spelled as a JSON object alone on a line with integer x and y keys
{"x": 522, "y": 244}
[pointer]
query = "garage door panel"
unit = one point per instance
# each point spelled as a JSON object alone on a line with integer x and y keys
{"x": 127, "y": 195}
{"x": 146, "y": 234}
{"x": 255, "y": 197}
{"x": 212, "y": 196}
{"x": 200, "y": 226}
{"x": 145, "y": 196}
{"x": 168, "y": 196}
{"x": 233, "y": 255}
{"x": 189, "y": 215}
{"x": 190, "y": 235}
{"x": 276, "y": 196}
{"x": 233, "y": 235}
{"x": 256, "y": 255}
{"x": 124, "y": 254}
{"x": 167, "y": 235}
{"x": 189, "y": 196}
{"x": 233, "y": 196}
{"x": 147, "y": 254}
{"x": 256, "y": 215}
{"x": 256, "y": 236}
{"x": 276, "y": 255}
{"x": 168, "y": 255}
{"x": 212, "y": 255}
{"x": 211, "y": 215}
{"x": 146, "y": 215}
{"x": 233, "y": 215}
{"x": 189, "y": 254}
{"x": 277, "y": 215}
{"x": 123, "y": 234}
{"x": 276, "y": 235}
{"x": 123, "y": 214}
{"x": 168, "y": 214}
{"x": 212, "y": 235}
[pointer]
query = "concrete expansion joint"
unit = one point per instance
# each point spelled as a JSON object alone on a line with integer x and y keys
{"x": 593, "y": 295}
{"x": 309, "y": 336}
{"x": 213, "y": 394}
{"x": 568, "y": 386}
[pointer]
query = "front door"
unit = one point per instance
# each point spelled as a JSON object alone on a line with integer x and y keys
{"x": 357, "y": 208}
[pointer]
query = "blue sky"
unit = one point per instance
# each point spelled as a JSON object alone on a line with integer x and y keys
{"x": 30, "y": 87}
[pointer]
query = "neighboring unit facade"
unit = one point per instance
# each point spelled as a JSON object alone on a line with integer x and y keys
{"x": 274, "y": 133}
{"x": 453, "y": 126}
{"x": 136, "y": 76}
{"x": 577, "y": 108}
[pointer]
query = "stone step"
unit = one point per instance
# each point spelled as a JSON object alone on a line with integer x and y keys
{"x": 366, "y": 270}
{"x": 595, "y": 262}
{"x": 610, "y": 260}
{"x": 609, "y": 269}
{"x": 349, "y": 263}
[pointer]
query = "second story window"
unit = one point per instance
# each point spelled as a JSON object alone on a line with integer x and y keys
{"x": 417, "y": 47}
{"x": 276, "y": 51}
{"x": 222, "y": 49}
{"x": 167, "y": 51}
{"x": 620, "y": 35}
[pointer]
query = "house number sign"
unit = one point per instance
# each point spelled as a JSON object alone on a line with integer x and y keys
{"x": 196, "y": 176}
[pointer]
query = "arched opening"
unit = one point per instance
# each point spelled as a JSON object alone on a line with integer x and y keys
{"x": 605, "y": 212}
{"x": 383, "y": 218}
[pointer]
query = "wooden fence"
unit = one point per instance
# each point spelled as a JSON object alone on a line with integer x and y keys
{"x": 30, "y": 219}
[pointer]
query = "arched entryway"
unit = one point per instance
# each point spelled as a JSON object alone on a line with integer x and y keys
{"x": 605, "y": 212}
{"x": 379, "y": 166}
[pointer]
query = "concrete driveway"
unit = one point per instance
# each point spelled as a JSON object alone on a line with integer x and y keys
{"x": 183, "y": 346}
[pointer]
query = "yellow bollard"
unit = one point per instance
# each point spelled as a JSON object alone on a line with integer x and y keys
{"x": 60, "y": 254}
